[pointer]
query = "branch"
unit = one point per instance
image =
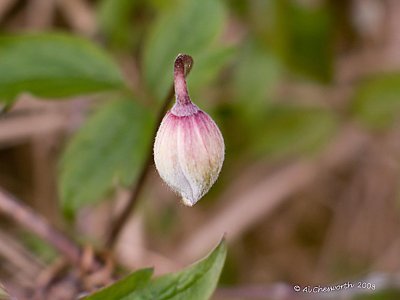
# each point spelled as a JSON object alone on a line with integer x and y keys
{"x": 30, "y": 220}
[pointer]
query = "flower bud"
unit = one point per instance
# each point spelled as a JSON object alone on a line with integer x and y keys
{"x": 189, "y": 147}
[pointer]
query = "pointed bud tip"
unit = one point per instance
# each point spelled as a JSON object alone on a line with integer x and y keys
{"x": 189, "y": 153}
{"x": 188, "y": 202}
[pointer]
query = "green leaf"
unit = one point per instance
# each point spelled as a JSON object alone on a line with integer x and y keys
{"x": 115, "y": 20}
{"x": 54, "y": 66}
{"x": 123, "y": 287}
{"x": 161, "y": 5}
{"x": 109, "y": 150}
{"x": 303, "y": 37}
{"x": 196, "y": 282}
{"x": 189, "y": 26}
{"x": 377, "y": 100}
{"x": 293, "y": 130}
{"x": 256, "y": 76}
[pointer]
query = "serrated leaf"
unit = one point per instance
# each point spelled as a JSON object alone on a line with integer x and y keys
{"x": 303, "y": 37}
{"x": 189, "y": 26}
{"x": 196, "y": 282}
{"x": 54, "y": 66}
{"x": 108, "y": 150}
{"x": 377, "y": 100}
{"x": 123, "y": 287}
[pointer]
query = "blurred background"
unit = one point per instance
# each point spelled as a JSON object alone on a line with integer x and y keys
{"x": 307, "y": 96}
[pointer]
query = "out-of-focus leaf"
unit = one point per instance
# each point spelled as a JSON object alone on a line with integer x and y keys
{"x": 162, "y": 5}
{"x": 377, "y": 100}
{"x": 260, "y": 16}
{"x": 109, "y": 150}
{"x": 54, "y": 66}
{"x": 116, "y": 22}
{"x": 208, "y": 65}
{"x": 189, "y": 26}
{"x": 121, "y": 289}
{"x": 303, "y": 37}
{"x": 239, "y": 7}
{"x": 257, "y": 74}
{"x": 292, "y": 130}
{"x": 196, "y": 282}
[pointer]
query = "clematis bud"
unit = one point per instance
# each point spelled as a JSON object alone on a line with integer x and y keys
{"x": 189, "y": 148}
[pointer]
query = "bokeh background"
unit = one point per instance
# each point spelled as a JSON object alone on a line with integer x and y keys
{"x": 307, "y": 96}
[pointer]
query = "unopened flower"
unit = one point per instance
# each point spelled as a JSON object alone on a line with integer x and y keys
{"x": 189, "y": 148}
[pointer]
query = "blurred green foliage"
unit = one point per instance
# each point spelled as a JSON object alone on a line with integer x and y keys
{"x": 288, "y": 130}
{"x": 54, "y": 66}
{"x": 246, "y": 53}
{"x": 208, "y": 65}
{"x": 109, "y": 150}
{"x": 189, "y": 26}
{"x": 257, "y": 73}
{"x": 377, "y": 100}
{"x": 115, "y": 20}
{"x": 237, "y": 82}
{"x": 302, "y": 36}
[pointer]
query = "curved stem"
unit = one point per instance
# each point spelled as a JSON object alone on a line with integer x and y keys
{"x": 182, "y": 67}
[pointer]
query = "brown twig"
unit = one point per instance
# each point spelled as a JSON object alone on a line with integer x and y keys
{"x": 5, "y": 7}
{"x": 26, "y": 217}
{"x": 120, "y": 221}
{"x": 21, "y": 258}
